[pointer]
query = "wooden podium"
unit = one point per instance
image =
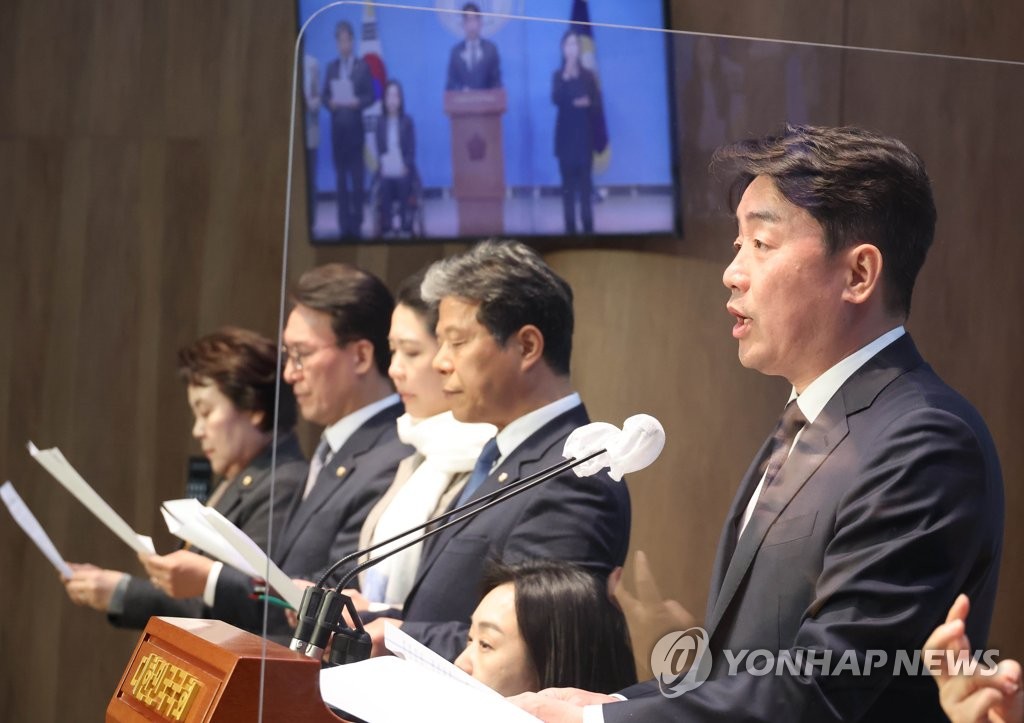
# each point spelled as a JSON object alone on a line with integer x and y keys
{"x": 193, "y": 671}
{"x": 478, "y": 159}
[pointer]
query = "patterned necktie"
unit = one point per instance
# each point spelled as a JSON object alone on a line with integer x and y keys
{"x": 488, "y": 456}
{"x": 788, "y": 426}
{"x": 316, "y": 465}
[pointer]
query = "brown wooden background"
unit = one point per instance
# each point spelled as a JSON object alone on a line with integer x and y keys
{"x": 142, "y": 154}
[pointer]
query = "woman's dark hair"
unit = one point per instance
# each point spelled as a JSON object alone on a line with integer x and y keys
{"x": 244, "y": 366}
{"x": 409, "y": 295}
{"x": 401, "y": 96}
{"x": 358, "y": 303}
{"x": 571, "y": 30}
{"x": 574, "y": 634}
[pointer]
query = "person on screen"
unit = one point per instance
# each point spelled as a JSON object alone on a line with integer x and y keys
{"x": 396, "y": 148}
{"x": 575, "y": 92}
{"x": 230, "y": 377}
{"x": 446, "y": 450}
{"x": 545, "y": 624}
{"x": 980, "y": 694}
{"x": 474, "y": 63}
{"x": 311, "y": 115}
{"x": 348, "y": 90}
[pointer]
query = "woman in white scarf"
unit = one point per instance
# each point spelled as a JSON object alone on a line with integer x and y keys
{"x": 446, "y": 450}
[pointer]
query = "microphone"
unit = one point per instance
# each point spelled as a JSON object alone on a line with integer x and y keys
{"x": 587, "y": 450}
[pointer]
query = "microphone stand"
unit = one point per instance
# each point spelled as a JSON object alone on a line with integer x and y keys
{"x": 315, "y": 628}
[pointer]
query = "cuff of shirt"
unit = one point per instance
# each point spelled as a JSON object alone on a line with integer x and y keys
{"x": 210, "y": 591}
{"x": 116, "y": 604}
{"x": 593, "y": 714}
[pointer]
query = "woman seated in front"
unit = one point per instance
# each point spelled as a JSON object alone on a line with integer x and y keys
{"x": 547, "y": 624}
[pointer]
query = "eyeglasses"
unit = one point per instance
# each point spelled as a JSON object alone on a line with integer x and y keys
{"x": 298, "y": 358}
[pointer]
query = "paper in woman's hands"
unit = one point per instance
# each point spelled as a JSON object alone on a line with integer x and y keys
{"x": 54, "y": 462}
{"x": 28, "y": 522}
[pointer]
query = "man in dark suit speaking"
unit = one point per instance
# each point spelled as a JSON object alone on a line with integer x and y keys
{"x": 474, "y": 63}
{"x": 879, "y": 497}
{"x": 505, "y": 332}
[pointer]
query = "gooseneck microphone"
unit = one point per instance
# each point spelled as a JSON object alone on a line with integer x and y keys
{"x": 630, "y": 449}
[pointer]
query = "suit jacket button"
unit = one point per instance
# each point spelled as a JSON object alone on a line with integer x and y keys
{"x": 247, "y": 480}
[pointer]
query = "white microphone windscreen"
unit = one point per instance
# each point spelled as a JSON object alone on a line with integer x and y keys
{"x": 586, "y": 440}
{"x": 637, "y": 446}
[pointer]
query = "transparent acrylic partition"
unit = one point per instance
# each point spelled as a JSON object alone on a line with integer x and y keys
{"x": 496, "y": 138}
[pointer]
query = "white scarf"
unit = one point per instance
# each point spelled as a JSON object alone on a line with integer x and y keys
{"x": 448, "y": 448}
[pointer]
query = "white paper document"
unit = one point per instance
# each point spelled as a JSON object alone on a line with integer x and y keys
{"x": 185, "y": 520}
{"x": 408, "y": 648}
{"x": 28, "y": 522}
{"x": 53, "y": 461}
{"x": 396, "y": 690}
{"x": 254, "y": 556}
{"x": 342, "y": 90}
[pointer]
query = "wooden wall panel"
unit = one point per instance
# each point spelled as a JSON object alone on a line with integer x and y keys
{"x": 142, "y": 156}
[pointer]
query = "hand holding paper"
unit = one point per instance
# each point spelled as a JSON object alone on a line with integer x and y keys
{"x": 181, "y": 574}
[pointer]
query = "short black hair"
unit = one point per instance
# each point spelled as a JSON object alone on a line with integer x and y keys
{"x": 358, "y": 303}
{"x": 514, "y": 287}
{"x": 575, "y": 636}
{"x": 859, "y": 185}
{"x": 471, "y": 8}
{"x": 344, "y": 26}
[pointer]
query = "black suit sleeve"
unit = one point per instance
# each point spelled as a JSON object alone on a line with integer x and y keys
{"x": 452, "y": 81}
{"x": 143, "y": 600}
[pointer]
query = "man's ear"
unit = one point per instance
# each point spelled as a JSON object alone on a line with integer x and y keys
{"x": 362, "y": 356}
{"x": 531, "y": 345}
{"x": 863, "y": 273}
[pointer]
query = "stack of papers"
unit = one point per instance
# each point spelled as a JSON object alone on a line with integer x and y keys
{"x": 418, "y": 684}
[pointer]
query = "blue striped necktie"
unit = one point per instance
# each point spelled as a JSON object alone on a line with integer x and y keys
{"x": 488, "y": 456}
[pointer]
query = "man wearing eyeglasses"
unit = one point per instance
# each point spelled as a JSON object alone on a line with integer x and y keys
{"x": 336, "y": 343}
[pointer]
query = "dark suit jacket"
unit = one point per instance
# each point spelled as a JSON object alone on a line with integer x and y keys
{"x": 485, "y": 73}
{"x": 347, "y": 123}
{"x": 583, "y": 520}
{"x": 890, "y": 504}
{"x": 325, "y": 526}
{"x": 574, "y": 132}
{"x": 248, "y": 507}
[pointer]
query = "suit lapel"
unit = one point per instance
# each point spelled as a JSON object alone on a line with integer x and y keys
{"x": 535, "y": 447}
{"x": 727, "y": 540}
{"x": 339, "y": 468}
{"x": 816, "y": 443}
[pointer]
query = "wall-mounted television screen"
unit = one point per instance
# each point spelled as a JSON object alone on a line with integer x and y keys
{"x": 454, "y": 119}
